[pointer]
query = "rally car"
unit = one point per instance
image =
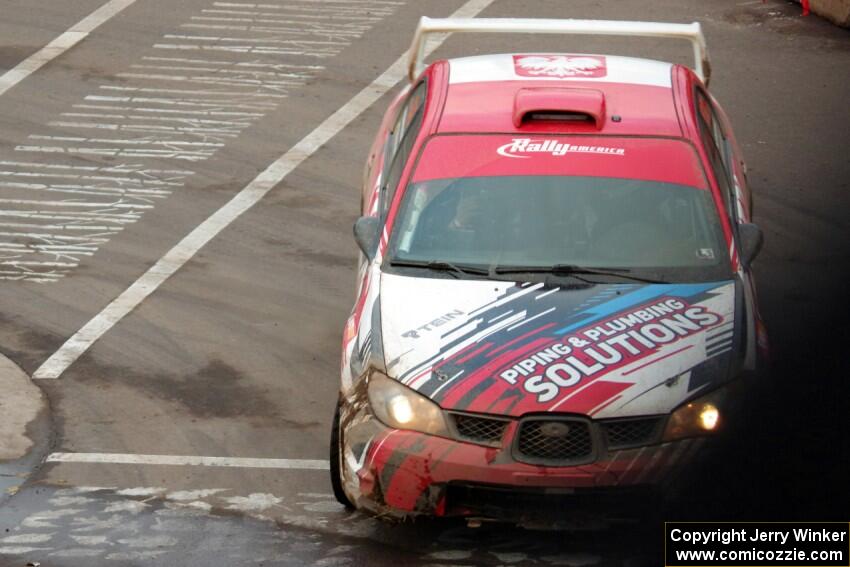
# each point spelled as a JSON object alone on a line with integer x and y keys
{"x": 555, "y": 291}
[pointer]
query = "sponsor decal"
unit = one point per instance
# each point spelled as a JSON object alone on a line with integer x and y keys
{"x": 618, "y": 341}
{"x": 585, "y": 66}
{"x": 519, "y": 146}
{"x": 416, "y": 333}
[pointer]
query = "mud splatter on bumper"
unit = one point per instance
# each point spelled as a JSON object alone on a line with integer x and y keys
{"x": 398, "y": 474}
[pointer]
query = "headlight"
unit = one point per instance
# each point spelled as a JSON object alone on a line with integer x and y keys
{"x": 702, "y": 416}
{"x": 400, "y": 407}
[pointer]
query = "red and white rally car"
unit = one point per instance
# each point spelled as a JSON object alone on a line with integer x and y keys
{"x": 555, "y": 295}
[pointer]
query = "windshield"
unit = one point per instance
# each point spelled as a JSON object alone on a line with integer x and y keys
{"x": 666, "y": 230}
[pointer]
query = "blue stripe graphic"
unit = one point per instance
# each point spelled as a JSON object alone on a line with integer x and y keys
{"x": 639, "y": 296}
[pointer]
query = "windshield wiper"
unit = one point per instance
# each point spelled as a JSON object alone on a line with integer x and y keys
{"x": 571, "y": 270}
{"x": 441, "y": 266}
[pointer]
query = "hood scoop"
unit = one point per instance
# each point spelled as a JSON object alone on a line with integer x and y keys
{"x": 559, "y": 105}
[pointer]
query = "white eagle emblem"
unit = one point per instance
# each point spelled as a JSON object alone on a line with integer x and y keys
{"x": 560, "y": 65}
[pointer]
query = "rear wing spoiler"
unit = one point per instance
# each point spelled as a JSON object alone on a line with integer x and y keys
{"x": 428, "y": 26}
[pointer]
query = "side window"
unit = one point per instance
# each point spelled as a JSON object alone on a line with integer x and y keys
{"x": 390, "y": 138}
{"x": 400, "y": 143}
{"x": 407, "y": 115}
{"x": 718, "y": 148}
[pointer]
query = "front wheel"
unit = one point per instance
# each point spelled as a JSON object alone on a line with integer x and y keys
{"x": 336, "y": 463}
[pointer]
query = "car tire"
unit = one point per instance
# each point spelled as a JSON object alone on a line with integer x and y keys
{"x": 336, "y": 463}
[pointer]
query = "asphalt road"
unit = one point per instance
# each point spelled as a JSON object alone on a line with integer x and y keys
{"x": 114, "y": 151}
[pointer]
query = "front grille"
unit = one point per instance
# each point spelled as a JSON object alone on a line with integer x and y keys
{"x": 479, "y": 429}
{"x": 631, "y": 432}
{"x": 550, "y": 441}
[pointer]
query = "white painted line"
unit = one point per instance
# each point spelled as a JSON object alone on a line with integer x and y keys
{"x": 170, "y": 111}
{"x": 275, "y": 65}
{"x": 61, "y": 44}
{"x": 257, "y": 50}
{"x": 175, "y": 258}
{"x": 217, "y": 39}
{"x": 192, "y": 461}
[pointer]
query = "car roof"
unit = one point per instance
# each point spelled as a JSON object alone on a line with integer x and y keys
{"x": 483, "y": 94}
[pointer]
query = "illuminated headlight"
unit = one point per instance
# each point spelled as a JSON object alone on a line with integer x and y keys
{"x": 702, "y": 416}
{"x": 400, "y": 407}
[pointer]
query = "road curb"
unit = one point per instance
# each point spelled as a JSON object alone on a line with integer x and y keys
{"x": 24, "y": 427}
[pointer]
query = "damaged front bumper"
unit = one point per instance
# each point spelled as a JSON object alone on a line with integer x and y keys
{"x": 400, "y": 474}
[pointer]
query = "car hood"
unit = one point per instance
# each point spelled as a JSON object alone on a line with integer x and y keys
{"x": 605, "y": 350}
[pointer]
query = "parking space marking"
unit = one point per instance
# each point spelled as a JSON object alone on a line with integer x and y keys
{"x": 175, "y": 258}
{"x": 187, "y": 460}
{"x": 61, "y": 44}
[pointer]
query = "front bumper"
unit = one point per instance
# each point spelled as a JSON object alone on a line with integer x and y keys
{"x": 401, "y": 473}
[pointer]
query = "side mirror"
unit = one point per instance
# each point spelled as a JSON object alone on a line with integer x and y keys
{"x": 752, "y": 239}
{"x": 366, "y": 230}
